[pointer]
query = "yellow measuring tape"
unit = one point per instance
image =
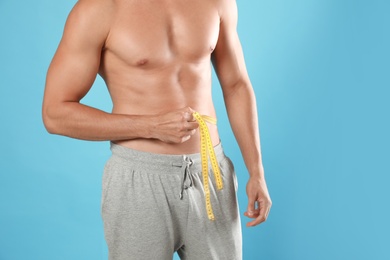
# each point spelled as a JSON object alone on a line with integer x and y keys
{"x": 207, "y": 149}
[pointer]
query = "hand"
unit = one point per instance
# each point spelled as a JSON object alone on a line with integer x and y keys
{"x": 176, "y": 126}
{"x": 259, "y": 201}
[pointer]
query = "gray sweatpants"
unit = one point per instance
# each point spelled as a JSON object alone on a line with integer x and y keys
{"x": 145, "y": 216}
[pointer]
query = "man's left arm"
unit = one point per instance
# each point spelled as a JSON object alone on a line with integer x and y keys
{"x": 240, "y": 101}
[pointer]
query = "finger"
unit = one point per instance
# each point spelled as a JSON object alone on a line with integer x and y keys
{"x": 189, "y": 109}
{"x": 188, "y": 116}
{"x": 188, "y": 112}
{"x": 185, "y": 138}
{"x": 251, "y": 206}
{"x": 268, "y": 210}
{"x": 261, "y": 217}
{"x": 191, "y": 125}
{"x": 188, "y": 134}
{"x": 254, "y": 215}
{"x": 192, "y": 132}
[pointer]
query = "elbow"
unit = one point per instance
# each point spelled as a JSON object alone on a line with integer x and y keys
{"x": 48, "y": 120}
{"x": 233, "y": 88}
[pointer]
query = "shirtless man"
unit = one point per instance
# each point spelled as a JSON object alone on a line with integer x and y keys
{"x": 155, "y": 59}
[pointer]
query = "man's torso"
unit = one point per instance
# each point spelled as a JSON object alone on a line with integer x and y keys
{"x": 156, "y": 59}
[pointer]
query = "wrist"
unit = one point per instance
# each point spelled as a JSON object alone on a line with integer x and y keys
{"x": 256, "y": 172}
{"x": 149, "y": 126}
{"x": 141, "y": 126}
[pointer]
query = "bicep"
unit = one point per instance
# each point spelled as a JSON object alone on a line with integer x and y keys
{"x": 228, "y": 58}
{"x": 76, "y": 62}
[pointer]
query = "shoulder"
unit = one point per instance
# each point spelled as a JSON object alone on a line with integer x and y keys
{"x": 90, "y": 18}
{"x": 93, "y": 6}
{"x": 227, "y": 9}
{"x": 88, "y": 11}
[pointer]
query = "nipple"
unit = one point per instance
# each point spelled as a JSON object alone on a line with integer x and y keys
{"x": 142, "y": 62}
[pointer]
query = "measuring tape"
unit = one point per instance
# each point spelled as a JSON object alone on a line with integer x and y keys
{"x": 207, "y": 149}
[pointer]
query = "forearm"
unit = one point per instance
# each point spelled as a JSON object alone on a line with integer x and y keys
{"x": 79, "y": 121}
{"x": 242, "y": 113}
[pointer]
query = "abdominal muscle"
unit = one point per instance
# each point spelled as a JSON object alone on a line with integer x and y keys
{"x": 156, "y": 90}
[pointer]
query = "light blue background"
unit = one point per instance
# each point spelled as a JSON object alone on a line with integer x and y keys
{"x": 320, "y": 70}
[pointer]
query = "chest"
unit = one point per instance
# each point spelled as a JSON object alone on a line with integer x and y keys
{"x": 159, "y": 31}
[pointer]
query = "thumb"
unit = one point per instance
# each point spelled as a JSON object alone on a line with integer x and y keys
{"x": 188, "y": 114}
{"x": 251, "y": 206}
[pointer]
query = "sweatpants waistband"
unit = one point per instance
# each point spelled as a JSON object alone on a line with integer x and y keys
{"x": 148, "y": 160}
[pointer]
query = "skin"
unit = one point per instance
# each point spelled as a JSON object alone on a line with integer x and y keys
{"x": 155, "y": 59}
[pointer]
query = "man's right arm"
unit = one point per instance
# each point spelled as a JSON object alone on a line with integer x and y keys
{"x": 71, "y": 75}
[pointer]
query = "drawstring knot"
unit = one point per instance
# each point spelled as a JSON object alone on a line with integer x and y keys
{"x": 187, "y": 177}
